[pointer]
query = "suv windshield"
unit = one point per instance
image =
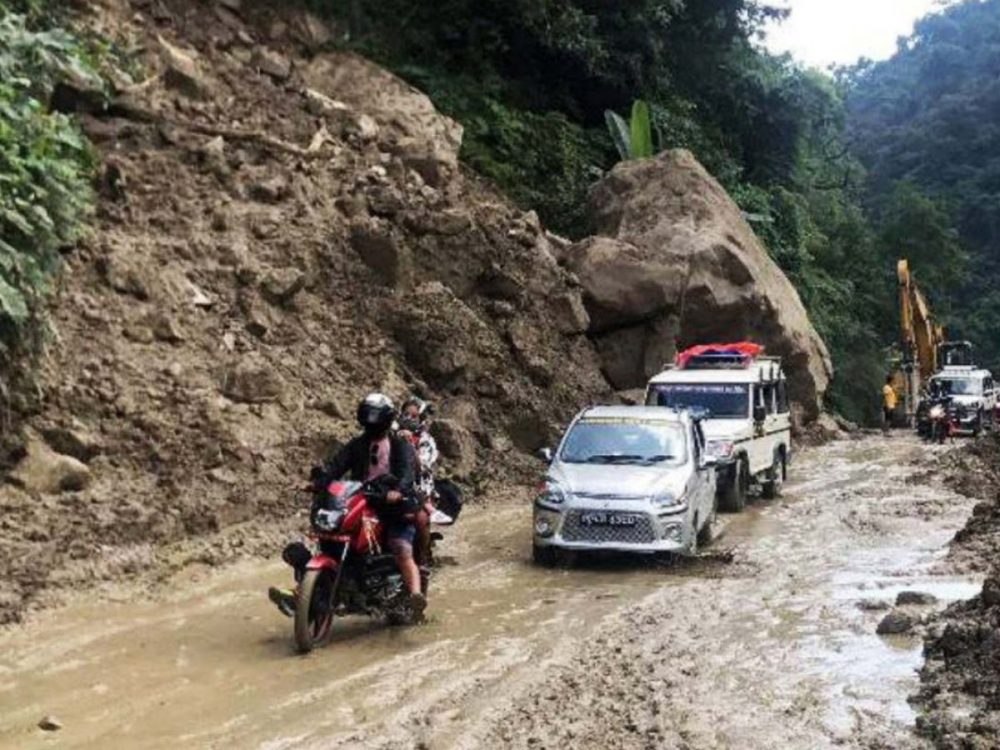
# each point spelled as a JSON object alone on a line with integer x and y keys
{"x": 619, "y": 440}
{"x": 722, "y": 400}
{"x": 959, "y": 386}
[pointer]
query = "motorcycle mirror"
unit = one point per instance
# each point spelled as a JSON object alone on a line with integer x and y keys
{"x": 545, "y": 454}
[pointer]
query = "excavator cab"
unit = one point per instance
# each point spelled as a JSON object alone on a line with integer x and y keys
{"x": 955, "y": 354}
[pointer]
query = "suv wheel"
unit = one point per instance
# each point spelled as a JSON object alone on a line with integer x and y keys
{"x": 544, "y": 556}
{"x": 733, "y": 497}
{"x": 776, "y": 476}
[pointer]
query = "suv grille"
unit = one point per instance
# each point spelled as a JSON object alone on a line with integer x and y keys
{"x": 641, "y": 533}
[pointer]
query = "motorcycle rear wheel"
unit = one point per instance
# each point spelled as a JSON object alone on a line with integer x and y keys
{"x": 313, "y": 610}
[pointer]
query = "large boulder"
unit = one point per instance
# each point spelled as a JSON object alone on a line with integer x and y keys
{"x": 44, "y": 471}
{"x": 426, "y": 141}
{"x": 674, "y": 253}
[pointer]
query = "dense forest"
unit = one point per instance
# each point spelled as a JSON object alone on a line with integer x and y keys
{"x": 925, "y": 125}
{"x": 531, "y": 82}
{"x": 840, "y": 175}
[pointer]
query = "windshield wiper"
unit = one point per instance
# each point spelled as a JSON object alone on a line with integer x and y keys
{"x": 658, "y": 459}
{"x": 613, "y": 459}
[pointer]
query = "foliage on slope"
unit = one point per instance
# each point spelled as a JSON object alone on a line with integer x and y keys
{"x": 45, "y": 165}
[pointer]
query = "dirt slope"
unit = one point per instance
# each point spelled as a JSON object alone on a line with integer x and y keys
{"x": 264, "y": 255}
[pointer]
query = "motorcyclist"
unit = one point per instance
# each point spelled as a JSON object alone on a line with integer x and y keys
{"x": 373, "y": 454}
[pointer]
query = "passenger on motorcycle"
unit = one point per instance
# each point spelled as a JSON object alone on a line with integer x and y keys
{"x": 373, "y": 454}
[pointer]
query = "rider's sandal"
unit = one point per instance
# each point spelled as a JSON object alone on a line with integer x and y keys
{"x": 283, "y": 599}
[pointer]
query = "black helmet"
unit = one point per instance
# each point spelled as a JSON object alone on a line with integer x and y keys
{"x": 376, "y": 413}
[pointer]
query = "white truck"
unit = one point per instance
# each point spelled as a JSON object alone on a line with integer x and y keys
{"x": 972, "y": 390}
{"x": 748, "y": 423}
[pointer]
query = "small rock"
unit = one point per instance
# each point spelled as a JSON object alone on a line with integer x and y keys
{"x": 571, "y": 316}
{"x": 75, "y": 441}
{"x": 895, "y": 623}
{"x": 915, "y": 597}
{"x": 50, "y": 724}
{"x": 332, "y": 408}
{"x": 199, "y": 298}
{"x": 991, "y": 592}
{"x": 271, "y": 63}
{"x": 45, "y": 471}
{"x": 273, "y": 190}
{"x": 252, "y": 383}
{"x": 182, "y": 72}
{"x": 165, "y": 328}
{"x": 380, "y": 251}
{"x": 310, "y": 31}
{"x": 223, "y": 476}
{"x": 320, "y": 104}
{"x": 873, "y": 605}
{"x": 280, "y": 285}
{"x": 234, "y": 5}
{"x": 140, "y": 333}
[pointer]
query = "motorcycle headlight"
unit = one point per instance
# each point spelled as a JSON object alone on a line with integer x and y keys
{"x": 937, "y": 412}
{"x": 720, "y": 449}
{"x": 550, "y": 493}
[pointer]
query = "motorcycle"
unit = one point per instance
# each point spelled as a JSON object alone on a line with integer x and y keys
{"x": 942, "y": 418}
{"x": 350, "y": 570}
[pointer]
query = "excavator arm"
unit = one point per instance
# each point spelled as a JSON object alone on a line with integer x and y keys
{"x": 919, "y": 339}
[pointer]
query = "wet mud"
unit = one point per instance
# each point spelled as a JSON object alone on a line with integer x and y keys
{"x": 767, "y": 640}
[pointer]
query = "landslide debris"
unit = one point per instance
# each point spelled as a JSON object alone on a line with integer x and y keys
{"x": 675, "y": 261}
{"x": 960, "y": 681}
{"x": 279, "y": 231}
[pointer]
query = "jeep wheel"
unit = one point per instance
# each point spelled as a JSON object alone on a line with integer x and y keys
{"x": 775, "y": 478}
{"x": 733, "y": 497}
{"x": 707, "y": 532}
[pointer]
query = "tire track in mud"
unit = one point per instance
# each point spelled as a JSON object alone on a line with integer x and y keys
{"x": 768, "y": 650}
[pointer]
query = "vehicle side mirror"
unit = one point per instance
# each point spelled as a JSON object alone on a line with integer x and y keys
{"x": 759, "y": 414}
{"x": 545, "y": 454}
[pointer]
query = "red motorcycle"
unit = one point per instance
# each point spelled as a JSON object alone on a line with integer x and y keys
{"x": 350, "y": 571}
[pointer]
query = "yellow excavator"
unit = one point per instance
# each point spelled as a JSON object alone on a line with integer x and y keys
{"x": 920, "y": 339}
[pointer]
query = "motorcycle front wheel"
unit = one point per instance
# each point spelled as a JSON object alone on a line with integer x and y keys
{"x": 314, "y": 610}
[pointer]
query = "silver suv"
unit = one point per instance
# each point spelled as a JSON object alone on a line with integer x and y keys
{"x": 627, "y": 478}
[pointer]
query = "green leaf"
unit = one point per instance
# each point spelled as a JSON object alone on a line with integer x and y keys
{"x": 619, "y": 130}
{"x": 641, "y": 131}
{"x": 12, "y": 302}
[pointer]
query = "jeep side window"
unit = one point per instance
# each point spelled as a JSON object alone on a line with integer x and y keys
{"x": 782, "y": 397}
{"x": 771, "y": 398}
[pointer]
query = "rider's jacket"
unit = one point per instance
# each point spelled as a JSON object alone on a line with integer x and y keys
{"x": 354, "y": 459}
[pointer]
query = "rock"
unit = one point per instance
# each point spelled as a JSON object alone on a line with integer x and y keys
{"x": 569, "y": 313}
{"x": 319, "y": 104}
{"x": 50, "y": 724}
{"x": 223, "y": 476}
{"x": 138, "y": 332}
{"x": 272, "y": 190}
{"x": 873, "y": 605}
{"x": 165, "y": 328}
{"x": 672, "y": 243}
{"x": 427, "y": 141}
{"x": 378, "y": 248}
{"x": 182, "y": 71}
{"x": 895, "y": 623}
{"x": 45, "y": 471}
{"x": 124, "y": 275}
{"x": 198, "y": 298}
{"x": 252, "y": 382}
{"x": 632, "y": 397}
{"x": 236, "y": 6}
{"x": 916, "y": 598}
{"x": 456, "y": 444}
{"x": 76, "y": 441}
{"x": 384, "y": 200}
{"x": 631, "y": 355}
{"x": 271, "y": 63}
{"x": 279, "y": 286}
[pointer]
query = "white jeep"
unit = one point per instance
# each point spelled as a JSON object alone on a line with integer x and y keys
{"x": 748, "y": 424}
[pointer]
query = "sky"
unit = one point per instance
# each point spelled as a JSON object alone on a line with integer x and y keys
{"x": 824, "y": 32}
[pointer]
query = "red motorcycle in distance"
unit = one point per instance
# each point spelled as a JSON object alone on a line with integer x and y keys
{"x": 350, "y": 571}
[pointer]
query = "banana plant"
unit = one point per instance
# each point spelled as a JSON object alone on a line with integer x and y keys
{"x": 633, "y": 139}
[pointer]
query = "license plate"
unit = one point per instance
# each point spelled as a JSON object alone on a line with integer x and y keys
{"x": 608, "y": 519}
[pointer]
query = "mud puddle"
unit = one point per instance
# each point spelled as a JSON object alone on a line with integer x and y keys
{"x": 775, "y": 649}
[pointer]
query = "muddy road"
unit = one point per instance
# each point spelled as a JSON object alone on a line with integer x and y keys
{"x": 768, "y": 640}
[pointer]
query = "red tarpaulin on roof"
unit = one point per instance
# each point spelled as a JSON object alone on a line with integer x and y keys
{"x": 740, "y": 349}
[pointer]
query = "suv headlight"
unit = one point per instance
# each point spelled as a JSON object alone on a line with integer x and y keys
{"x": 550, "y": 494}
{"x": 720, "y": 449}
{"x": 667, "y": 500}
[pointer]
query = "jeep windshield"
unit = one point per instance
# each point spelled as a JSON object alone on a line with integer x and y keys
{"x": 959, "y": 386}
{"x": 721, "y": 400}
{"x": 616, "y": 440}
